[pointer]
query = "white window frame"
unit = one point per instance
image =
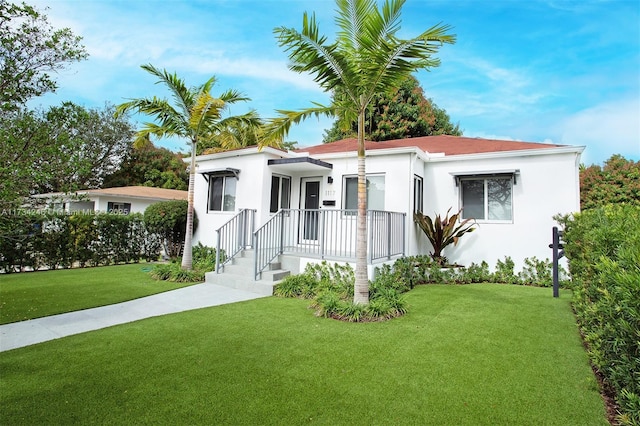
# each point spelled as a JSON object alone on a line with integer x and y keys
{"x": 281, "y": 204}
{"x": 485, "y": 179}
{"x": 223, "y": 204}
{"x": 418, "y": 194}
{"x": 118, "y": 207}
{"x": 372, "y": 175}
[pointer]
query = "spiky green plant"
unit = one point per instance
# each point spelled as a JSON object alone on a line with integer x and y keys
{"x": 442, "y": 232}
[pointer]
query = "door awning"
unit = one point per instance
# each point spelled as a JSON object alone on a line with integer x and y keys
{"x": 299, "y": 164}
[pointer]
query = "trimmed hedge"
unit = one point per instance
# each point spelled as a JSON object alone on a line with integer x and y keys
{"x": 603, "y": 248}
{"x": 55, "y": 240}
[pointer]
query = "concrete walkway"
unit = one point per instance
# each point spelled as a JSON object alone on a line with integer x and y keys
{"x": 25, "y": 333}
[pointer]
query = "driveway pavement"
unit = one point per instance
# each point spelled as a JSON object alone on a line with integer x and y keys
{"x": 25, "y": 333}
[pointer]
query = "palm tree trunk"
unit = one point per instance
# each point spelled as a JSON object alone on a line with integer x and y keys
{"x": 361, "y": 289}
{"x": 187, "y": 254}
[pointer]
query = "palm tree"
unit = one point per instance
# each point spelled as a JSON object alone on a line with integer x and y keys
{"x": 194, "y": 115}
{"x": 367, "y": 58}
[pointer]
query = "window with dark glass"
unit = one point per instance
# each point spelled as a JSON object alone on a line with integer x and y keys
{"x": 487, "y": 198}
{"x": 280, "y": 193}
{"x": 120, "y": 208}
{"x": 222, "y": 193}
{"x": 418, "y": 194}
{"x": 375, "y": 192}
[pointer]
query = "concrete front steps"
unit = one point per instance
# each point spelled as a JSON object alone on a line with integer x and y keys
{"x": 239, "y": 275}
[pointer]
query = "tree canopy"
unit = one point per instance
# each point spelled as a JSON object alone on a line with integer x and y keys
{"x": 149, "y": 165}
{"x": 404, "y": 113}
{"x": 30, "y": 51}
{"x": 366, "y": 59}
{"x": 64, "y": 148}
{"x": 618, "y": 181}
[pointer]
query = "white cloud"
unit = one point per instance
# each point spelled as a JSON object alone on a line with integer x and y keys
{"x": 606, "y": 129}
{"x": 255, "y": 68}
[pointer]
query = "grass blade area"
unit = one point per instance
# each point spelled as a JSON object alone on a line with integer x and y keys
{"x": 464, "y": 355}
{"x": 29, "y": 295}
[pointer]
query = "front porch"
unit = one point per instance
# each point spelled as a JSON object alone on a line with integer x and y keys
{"x": 328, "y": 234}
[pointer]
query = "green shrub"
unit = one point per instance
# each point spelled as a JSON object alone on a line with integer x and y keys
{"x": 55, "y": 240}
{"x": 169, "y": 220}
{"x": 330, "y": 286}
{"x": 301, "y": 285}
{"x": 537, "y": 272}
{"x": 204, "y": 260}
{"x": 443, "y": 232}
{"x": 162, "y": 271}
{"x": 603, "y": 248}
{"x": 504, "y": 272}
{"x": 476, "y": 273}
{"x": 327, "y": 304}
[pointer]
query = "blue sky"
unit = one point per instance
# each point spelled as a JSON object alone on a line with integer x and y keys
{"x": 565, "y": 72}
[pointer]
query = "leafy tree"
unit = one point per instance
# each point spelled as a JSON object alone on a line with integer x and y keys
{"x": 30, "y": 51}
{"x": 194, "y": 115}
{"x": 149, "y": 165}
{"x": 168, "y": 219}
{"x": 64, "y": 148}
{"x": 367, "y": 58}
{"x": 405, "y": 113}
{"x": 617, "y": 182}
{"x": 24, "y": 148}
{"x": 94, "y": 141}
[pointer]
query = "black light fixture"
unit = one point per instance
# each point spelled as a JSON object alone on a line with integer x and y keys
{"x": 330, "y": 179}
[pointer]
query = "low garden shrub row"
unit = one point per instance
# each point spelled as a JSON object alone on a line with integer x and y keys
{"x": 330, "y": 286}
{"x": 603, "y": 248}
{"x": 417, "y": 270}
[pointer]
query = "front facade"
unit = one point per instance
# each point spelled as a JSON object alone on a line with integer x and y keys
{"x": 512, "y": 189}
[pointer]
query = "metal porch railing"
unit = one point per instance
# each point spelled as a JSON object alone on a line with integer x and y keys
{"x": 234, "y": 236}
{"x": 327, "y": 234}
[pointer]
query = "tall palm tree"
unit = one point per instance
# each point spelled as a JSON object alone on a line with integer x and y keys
{"x": 366, "y": 58}
{"x": 194, "y": 115}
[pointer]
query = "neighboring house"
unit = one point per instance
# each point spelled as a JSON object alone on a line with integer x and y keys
{"x": 303, "y": 202}
{"x": 125, "y": 200}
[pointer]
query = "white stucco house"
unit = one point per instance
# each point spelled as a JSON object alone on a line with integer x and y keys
{"x": 302, "y": 202}
{"x": 124, "y": 200}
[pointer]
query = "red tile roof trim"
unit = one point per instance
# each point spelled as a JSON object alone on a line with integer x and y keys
{"x": 449, "y": 145}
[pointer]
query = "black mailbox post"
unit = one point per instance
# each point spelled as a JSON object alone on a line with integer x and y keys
{"x": 557, "y": 246}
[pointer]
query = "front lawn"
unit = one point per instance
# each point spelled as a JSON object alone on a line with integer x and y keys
{"x": 463, "y": 355}
{"x": 29, "y": 295}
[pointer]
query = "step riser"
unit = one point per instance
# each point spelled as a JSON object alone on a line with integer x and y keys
{"x": 238, "y": 274}
{"x": 240, "y": 283}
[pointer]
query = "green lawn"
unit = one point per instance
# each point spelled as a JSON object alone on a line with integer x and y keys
{"x": 463, "y": 355}
{"x": 29, "y": 295}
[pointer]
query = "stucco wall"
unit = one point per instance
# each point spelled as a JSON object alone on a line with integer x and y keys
{"x": 545, "y": 186}
{"x": 252, "y": 189}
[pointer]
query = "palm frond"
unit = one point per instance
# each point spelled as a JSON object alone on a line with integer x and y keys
{"x": 394, "y": 60}
{"x": 309, "y": 52}
{"x": 351, "y": 19}
{"x": 277, "y": 128}
{"x": 206, "y": 109}
{"x": 233, "y": 96}
{"x": 181, "y": 94}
